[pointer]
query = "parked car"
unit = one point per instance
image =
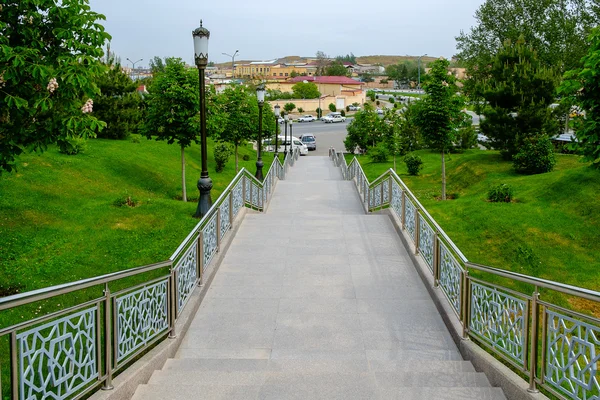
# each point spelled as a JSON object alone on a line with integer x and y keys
{"x": 282, "y": 143}
{"x": 353, "y": 108}
{"x": 307, "y": 118}
{"x": 335, "y": 118}
{"x": 330, "y": 115}
{"x": 379, "y": 111}
{"x": 309, "y": 140}
{"x": 281, "y": 120}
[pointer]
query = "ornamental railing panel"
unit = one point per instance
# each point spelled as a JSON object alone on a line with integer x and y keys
{"x": 209, "y": 238}
{"x": 572, "y": 355}
{"x": 224, "y": 222}
{"x": 500, "y": 320}
{"x": 59, "y": 358}
{"x": 141, "y": 316}
{"x": 450, "y": 277}
{"x": 426, "y": 242}
{"x": 410, "y": 218}
{"x": 187, "y": 273}
{"x": 238, "y": 197}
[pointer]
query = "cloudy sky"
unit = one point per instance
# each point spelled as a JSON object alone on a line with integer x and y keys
{"x": 264, "y": 29}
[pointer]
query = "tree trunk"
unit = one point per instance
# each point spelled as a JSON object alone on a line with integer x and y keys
{"x": 236, "y": 159}
{"x": 183, "y": 194}
{"x": 395, "y": 163}
{"x": 443, "y": 176}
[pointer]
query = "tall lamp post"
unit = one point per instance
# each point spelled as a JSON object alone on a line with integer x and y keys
{"x": 201, "y": 36}
{"x": 419, "y": 68}
{"x": 133, "y": 66}
{"x": 260, "y": 96}
{"x": 277, "y": 113}
{"x": 291, "y": 140}
{"x": 232, "y": 62}
{"x": 285, "y": 140}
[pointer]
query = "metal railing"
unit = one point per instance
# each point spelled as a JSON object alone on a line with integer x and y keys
{"x": 72, "y": 352}
{"x": 556, "y": 348}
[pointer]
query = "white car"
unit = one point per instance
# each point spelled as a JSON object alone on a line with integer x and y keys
{"x": 307, "y": 118}
{"x": 283, "y": 143}
{"x": 379, "y": 111}
{"x": 335, "y": 118}
{"x": 353, "y": 108}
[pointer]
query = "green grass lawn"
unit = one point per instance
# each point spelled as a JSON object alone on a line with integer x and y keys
{"x": 551, "y": 230}
{"x": 58, "y": 221}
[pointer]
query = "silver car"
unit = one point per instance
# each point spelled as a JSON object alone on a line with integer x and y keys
{"x": 310, "y": 141}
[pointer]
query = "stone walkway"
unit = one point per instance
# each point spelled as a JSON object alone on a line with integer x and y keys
{"x": 316, "y": 300}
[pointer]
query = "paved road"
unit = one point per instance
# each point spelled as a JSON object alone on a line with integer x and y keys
{"x": 328, "y": 135}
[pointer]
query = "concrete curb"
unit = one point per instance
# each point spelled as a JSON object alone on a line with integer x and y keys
{"x": 499, "y": 375}
{"x": 126, "y": 383}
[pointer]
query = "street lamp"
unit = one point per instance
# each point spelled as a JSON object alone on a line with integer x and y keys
{"x": 201, "y": 36}
{"x": 286, "y": 118}
{"x": 277, "y": 113}
{"x": 133, "y": 66}
{"x": 232, "y": 62}
{"x": 419, "y": 68}
{"x": 291, "y": 140}
{"x": 260, "y": 96}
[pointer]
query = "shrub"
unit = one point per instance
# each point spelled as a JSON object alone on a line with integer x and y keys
{"x": 300, "y": 109}
{"x": 343, "y": 113}
{"x": 501, "y": 193}
{"x": 125, "y": 201}
{"x": 377, "y": 102}
{"x": 319, "y": 112}
{"x": 347, "y": 108}
{"x": 222, "y": 152}
{"x": 246, "y": 157}
{"x": 392, "y": 100}
{"x": 466, "y": 138}
{"x": 413, "y": 164}
{"x": 332, "y": 107}
{"x": 395, "y": 105}
{"x": 535, "y": 156}
{"x": 379, "y": 153}
{"x": 377, "y": 97}
{"x": 136, "y": 138}
{"x": 289, "y": 107}
{"x": 72, "y": 146}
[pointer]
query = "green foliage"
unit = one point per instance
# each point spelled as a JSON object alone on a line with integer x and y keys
{"x": 222, "y": 152}
{"x": 519, "y": 90}
{"x": 365, "y": 130}
{"x": 119, "y": 104}
{"x": 308, "y": 90}
{"x": 351, "y": 58}
{"x": 466, "y": 137}
{"x": 377, "y": 97}
{"x": 332, "y": 107}
{"x": 157, "y": 65}
{"x": 49, "y": 61}
{"x": 289, "y": 107}
{"x": 347, "y": 108}
{"x": 300, "y": 109}
{"x": 343, "y": 113}
{"x": 319, "y": 112}
{"x": 403, "y": 73}
{"x": 392, "y": 100}
{"x": 126, "y": 200}
{"x": 535, "y": 156}
{"x": 366, "y": 77}
{"x": 246, "y": 157}
{"x": 371, "y": 95}
{"x": 293, "y": 74}
{"x": 414, "y": 164}
{"x": 379, "y": 153}
{"x": 582, "y": 86}
{"x": 501, "y": 193}
{"x": 336, "y": 68}
{"x": 273, "y": 94}
{"x": 72, "y": 146}
{"x": 377, "y": 102}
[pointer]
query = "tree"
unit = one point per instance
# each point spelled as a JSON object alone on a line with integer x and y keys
{"x": 322, "y": 62}
{"x": 332, "y": 107}
{"x": 172, "y": 112}
{"x": 157, "y": 65}
{"x": 289, "y": 107}
{"x": 403, "y": 73}
{"x": 50, "y": 56}
{"x": 402, "y": 135}
{"x": 366, "y": 77}
{"x": 582, "y": 86}
{"x": 119, "y": 104}
{"x": 306, "y": 90}
{"x": 294, "y": 74}
{"x": 439, "y": 114}
{"x": 519, "y": 91}
{"x": 366, "y": 130}
{"x": 336, "y": 69}
{"x": 351, "y": 58}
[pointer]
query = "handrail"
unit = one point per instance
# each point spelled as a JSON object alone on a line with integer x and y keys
{"x": 56, "y": 290}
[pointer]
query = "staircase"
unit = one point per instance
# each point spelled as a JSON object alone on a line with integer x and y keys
{"x": 316, "y": 300}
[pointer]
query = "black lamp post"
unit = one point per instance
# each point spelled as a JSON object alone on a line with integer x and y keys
{"x": 291, "y": 140}
{"x": 285, "y": 140}
{"x": 260, "y": 96}
{"x": 201, "y": 36}
{"x": 277, "y": 111}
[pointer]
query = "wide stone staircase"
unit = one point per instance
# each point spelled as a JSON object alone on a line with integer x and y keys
{"x": 316, "y": 300}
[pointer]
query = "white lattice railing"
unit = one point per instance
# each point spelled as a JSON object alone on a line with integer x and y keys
{"x": 510, "y": 324}
{"x": 73, "y": 351}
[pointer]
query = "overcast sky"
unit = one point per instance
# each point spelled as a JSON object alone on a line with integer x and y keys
{"x": 264, "y": 29}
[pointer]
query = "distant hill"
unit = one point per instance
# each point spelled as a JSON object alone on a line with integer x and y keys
{"x": 389, "y": 60}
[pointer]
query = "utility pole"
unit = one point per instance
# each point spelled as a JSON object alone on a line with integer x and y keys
{"x": 232, "y": 63}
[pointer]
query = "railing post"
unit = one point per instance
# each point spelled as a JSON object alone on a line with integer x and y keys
{"x": 172, "y": 302}
{"x": 390, "y": 191}
{"x": 436, "y": 260}
{"x": 381, "y": 195}
{"x": 107, "y": 340}
{"x": 244, "y": 189}
{"x": 14, "y": 366}
{"x": 417, "y": 229}
{"x": 466, "y": 300}
{"x": 533, "y": 364}
{"x": 403, "y": 209}
{"x": 200, "y": 256}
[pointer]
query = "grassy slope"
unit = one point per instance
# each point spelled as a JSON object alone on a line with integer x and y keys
{"x": 57, "y": 218}
{"x": 552, "y": 230}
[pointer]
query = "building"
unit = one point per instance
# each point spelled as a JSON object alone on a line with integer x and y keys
{"x": 272, "y": 70}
